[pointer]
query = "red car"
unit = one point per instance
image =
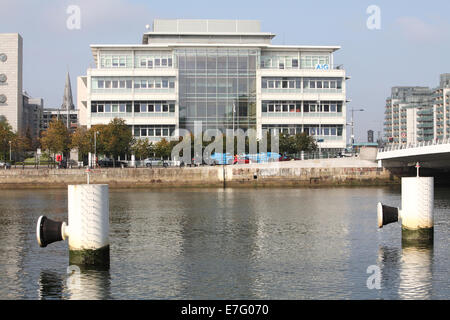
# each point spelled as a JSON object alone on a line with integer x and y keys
{"x": 241, "y": 160}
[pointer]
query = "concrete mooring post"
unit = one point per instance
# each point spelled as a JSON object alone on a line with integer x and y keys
{"x": 416, "y": 213}
{"x": 88, "y": 225}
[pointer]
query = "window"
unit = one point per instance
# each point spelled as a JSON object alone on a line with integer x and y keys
{"x": 294, "y": 63}
{"x": 157, "y": 62}
{"x": 264, "y": 83}
{"x": 94, "y": 108}
{"x": 285, "y": 108}
{"x": 122, "y": 84}
{"x": 333, "y": 131}
{"x": 312, "y": 108}
{"x": 137, "y": 84}
{"x": 149, "y": 63}
{"x": 115, "y": 107}
{"x": 151, "y": 108}
{"x": 281, "y": 65}
{"x": 171, "y": 84}
{"x": 107, "y": 107}
{"x": 143, "y": 132}
{"x": 122, "y": 107}
{"x": 128, "y": 84}
{"x": 143, "y": 84}
{"x": 115, "y": 84}
{"x": 158, "y": 132}
{"x": 122, "y": 62}
{"x": 165, "y": 132}
{"x": 151, "y": 132}
{"x": 107, "y": 84}
{"x": 157, "y": 108}
{"x": 101, "y": 84}
{"x": 319, "y": 84}
{"x": 100, "y": 108}
{"x": 326, "y": 84}
{"x": 312, "y": 84}
{"x": 115, "y": 62}
{"x": 169, "y": 62}
{"x": 165, "y": 108}
{"x": 165, "y": 83}
{"x": 271, "y": 108}
{"x": 172, "y": 108}
{"x": 143, "y": 107}
{"x": 264, "y": 107}
{"x": 326, "y": 108}
{"x": 158, "y": 84}
{"x": 151, "y": 84}
{"x": 164, "y": 62}
{"x": 143, "y": 63}
{"x": 333, "y": 108}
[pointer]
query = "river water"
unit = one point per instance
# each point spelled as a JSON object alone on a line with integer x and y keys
{"x": 278, "y": 243}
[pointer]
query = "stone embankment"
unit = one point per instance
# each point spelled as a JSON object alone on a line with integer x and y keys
{"x": 326, "y": 172}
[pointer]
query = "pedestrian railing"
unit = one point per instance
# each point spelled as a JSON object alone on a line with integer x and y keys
{"x": 394, "y": 147}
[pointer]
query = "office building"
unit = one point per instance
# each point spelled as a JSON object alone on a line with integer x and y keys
{"x": 225, "y": 73}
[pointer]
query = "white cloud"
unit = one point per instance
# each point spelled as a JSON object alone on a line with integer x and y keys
{"x": 421, "y": 32}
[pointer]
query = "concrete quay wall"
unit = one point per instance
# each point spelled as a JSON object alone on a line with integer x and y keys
{"x": 205, "y": 176}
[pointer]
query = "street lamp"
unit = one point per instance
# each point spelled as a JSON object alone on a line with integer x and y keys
{"x": 352, "y": 139}
{"x": 95, "y": 148}
{"x": 10, "y": 151}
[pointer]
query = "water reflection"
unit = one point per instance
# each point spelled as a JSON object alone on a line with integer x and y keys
{"x": 218, "y": 245}
{"x": 51, "y": 285}
{"x": 81, "y": 284}
{"x": 407, "y": 271}
{"x": 415, "y": 272}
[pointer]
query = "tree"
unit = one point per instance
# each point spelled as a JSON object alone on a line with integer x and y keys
{"x": 142, "y": 148}
{"x": 163, "y": 148}
{"x": 6, "y": 135}
{"x": 56, "y": 138}
{"x": 305, "y": 142}
{"x": 81, "y": 141}
{"x": 115, "y": 138}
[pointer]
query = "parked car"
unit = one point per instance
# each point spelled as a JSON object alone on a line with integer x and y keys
{"x": 107, "y": 163}
{"x": 241, "y": 159}
{"x": 153, "y": 162}
{"x": 5, "y": 165}
{"x": 285, "y": 158}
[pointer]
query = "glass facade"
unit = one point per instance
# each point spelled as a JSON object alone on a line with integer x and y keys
{"x": 217, "y": 87}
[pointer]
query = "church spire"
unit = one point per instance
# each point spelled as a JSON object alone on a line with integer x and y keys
{"x": 67, "y": 99}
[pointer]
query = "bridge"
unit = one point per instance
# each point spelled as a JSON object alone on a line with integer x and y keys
{"x": 430, "y": 154}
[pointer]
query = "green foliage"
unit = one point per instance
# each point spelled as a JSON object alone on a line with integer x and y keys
{"x": 115, "y": 138}
{"x": 291, "y": 144}
{"x": 56, "y": 138}
{"x": 142, "y": 148}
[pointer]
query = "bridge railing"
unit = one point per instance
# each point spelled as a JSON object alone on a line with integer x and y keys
{"x": 394, "y": 147}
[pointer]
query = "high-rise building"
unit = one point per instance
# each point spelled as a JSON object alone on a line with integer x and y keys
{"x": 223, "y": 73}
{"x": 11, "y": 61}
{"x": 417, "y": 114}
{"x": 370, "y": 136}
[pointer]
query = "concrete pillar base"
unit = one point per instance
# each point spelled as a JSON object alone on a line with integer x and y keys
{"x": 418, "y": 236}
{"x": 98, "y": 257}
